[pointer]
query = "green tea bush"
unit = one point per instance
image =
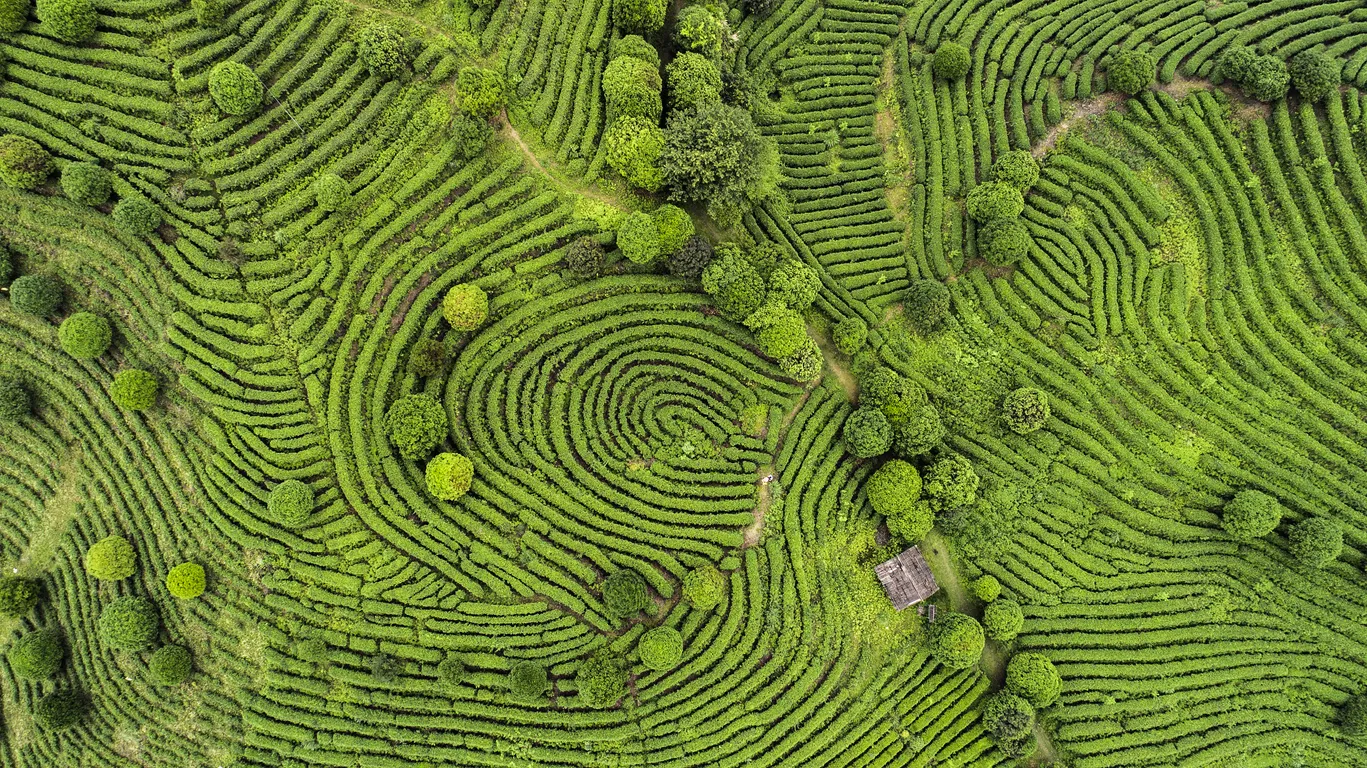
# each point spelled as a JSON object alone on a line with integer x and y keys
{"x": 927, "y": 305}
{"x": 1017, "y": 168}
{"x": 642, "y": 16}
{"x": 624, "y": 593}
{"x": 209, "y": 13}
{"x": 1003, "y": 620}
{"x": 330, "y": 192}
{"x": 1251, "y": 515}
{"x": 584, "y": 257}
{"x": 704, "y": 587}
{"x": 638, "y": 238}
{"x": 110, "y": 559}
{"x": 527, "y": 680}
{"x": 1026, "y": 410}
{"x": 129, "y": 624}
{"x": 956, "y": 641}
{"x": 1314, "y": 74}
{"x": 994, "y": 200}
{"x": 14, "y": 399}
{"x": 1009, "y": 722}
{"x": 1131, "y": 72}
{"x": 137, "y": 215}
{"x": 449, "y": 476}
{"x": 699, "y": 30}
{"x": 1316, "y": 541}
{"x": 482, "y": 93}
{"x": 868, "y": 434}
{"x": 86, "y": 183}
{"x": 951, "y": 482}
{"x": 35, "y": 295}
{"x": 661, "y": 648}
{"x": 290, "y": 503}
{"x": 693, "y": 80}
{"x": 382, "y": 50}
{"x": 692, "y": 259}
{"x": 59, "y": 710}
{"x": 72, "y": 21}
{"x": 633, "y": 147}
{"x": 416, "y": 424}
{"x": 674, "y": 227}
{"x": 987, "y": 588}
{"x": 850, "y": 334}
{"x": 24, "y": 164}
{"x": 1032, "y": 677}
{"x": 601, "y": 680}
{"x": 36, "y": 655}
{"x": 235, "y": 88}
{"x": 19, "y": 595}
{"x": 893, "y": 488}
{"x": 951, "y": 61}
{"x": 186, "y": 581}
{"x": 1352, "y": 715}
{"x": 1003, "y": 241}
{"x": 134, "y": 389}
{"x": 170, "y": 665}
{"x": 85, "y": 335}
{"x": 465, "y": 307}
{"x": 13, "y": 15}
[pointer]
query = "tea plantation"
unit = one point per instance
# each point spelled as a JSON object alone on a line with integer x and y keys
{"x": 404, "y": 383}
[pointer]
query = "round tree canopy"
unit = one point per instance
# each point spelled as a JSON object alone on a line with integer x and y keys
{"x": 235, "y": 88}
{"x": 951, "y": 61}
{"x": 129, "y": 624}
{"x": 1251, "y": 515}
{"x": 85, "y": 335}
{"x": 704, "y": 587}
{"x": 290, "y": 503}
{"x": 134, "y": 389}
{"x": 416, "y": 424}
{"x": 465, "y": 307}
{"x": 170, "y": 665}
{"x": 1003, "y": 619}
{"x": 36, "y": 655}
{"x": 956, "y": 641}
{"x": 527, "y": 680}
{"x": 449, "y": 476}
{"x": 186, "y": 581}
{"x": 1032, "y": 677}
{"x": 110, "y": 559}
{"x": 661, "y": 648}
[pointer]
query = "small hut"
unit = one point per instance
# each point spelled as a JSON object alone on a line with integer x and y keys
{"x": 907, "y": 579}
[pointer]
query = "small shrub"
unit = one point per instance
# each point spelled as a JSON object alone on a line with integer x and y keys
{"x": 1353, "y": 715}
{"x": 699, "y": 30}
{"x": 481, "y": 92}
{"x": 330, "y": 192}
{"x": 1131, "y": 72}
{"x": 1004, "y": 241}
{"x": 170, "y": 665}
{"x": 956, "y": 641}
{"x": 951, "y": 61}
{"x": 86, "y": 183}
{"x": 850, "y": 334}
{"x": 927, "y": 305}
{"x": 584, "y": 257}
{"x": 13, "y": 15}
{"x": 1251, "y": 515}
{"x": 868, "y": 434}
{"x": 674, "y": 226}
{"x": 19, "y": 595}
{"x": 449, "y": 476}
{"x": 1032, "y": 677}
{"x": 313, "y": 650}
{"x": 36, "y": 655}
{"x": 633, "y": 147}
{"x": 951, "y": 482}
{"x": 1026, "y": 410}
{"x": 384, "y": 668}
{"x": 661, "y": 648}
{"x": 986, "y": 588}
{"x": 994, "y": 200}
{"x": 235, "y": 88}
{"x": 72, "y": 21}
{"x": 209, "y": 13}
{"x": 134, "y": 389}
{"x": 638, "y": 238}
{"x": 703, "y": 587}
{"x": 1314, "y": 74}
{"x": 451, "y": 671}
{"x": 527, "y": 680}
{"x": 1268, "y": 79}
{"x": 427, "y": 358}
{"x": 85, "y": 335}
{"x": 290, "y": 503}
{"x": 137, "y": 216}
{"x": 129, "y": 624}
{"x": 186, "y": 581}
{"x": 465, "y": 307}
{"x": 693, "y": 80}
{"x": 111, "y": 559}
{"x": 893, "y": 488}
{"x": 692, "y": 259}
{"x": 636, "y": 47}
{"x": 381, "y": 49}
{"x": 1009, "y": 722}
{"x": 59, "y": 710}
{"x": 643, "y": 16}
{"x": 35, "y": 295}
{"x": 1017, "y": 168}
{"x": 625, "y": 593}
{"x": 24, "y": 164}
{"x": 601, "y": 680}
{"x": 1003, "y": 619}
{"x": 1316, "y": 541}
{"x": 416, "y": 424}
{"x": 14, "y": 399}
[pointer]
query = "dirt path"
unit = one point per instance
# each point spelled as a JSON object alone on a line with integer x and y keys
{"x": 1082, "y": 111}
{"x": 832, "y": 356}
{"x": 560, "y": 180}
{"x": 764, "y": 488}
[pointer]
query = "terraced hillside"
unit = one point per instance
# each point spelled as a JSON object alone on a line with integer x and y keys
{"x": 517, "y": 419}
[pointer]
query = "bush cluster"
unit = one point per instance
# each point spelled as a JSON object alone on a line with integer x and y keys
{"x": 138, "y": 216}
{"x": 1009, "y": 722}
{"x": 927, "y": 305}
{"x": 1316, "y": 541}
{"x": 850, "y": 334}
{"x": 951, "y": 61}
{"x": 482, "y": 92}
{"x": 330, "y": 192}
{"x": 601, "y": 680}
{"x": 528, "y": 680}
{"x": 85, "y": 335}
{"x": 867, "y": 433}
{"x": 416, "y": 424}
{"x": 1026, "y": 410}
{"x": 584, "y": 257}
{"x": 1264, "y": 77}
{"x": 72, "y": 21}
{"x": 638, "y": 238}
{"x": 427, "y": 358}
{"x": 692, "y": 259}
{"x": 1131, "y": 72}
{"x": 1032, "y": 677}
{"x": 13, "y": 15}
{"x": 59, "y": 710}
{"x": 381, "y": 49}
{"x": 1251, "y": 515}
{"x": 1003, "y": 620}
